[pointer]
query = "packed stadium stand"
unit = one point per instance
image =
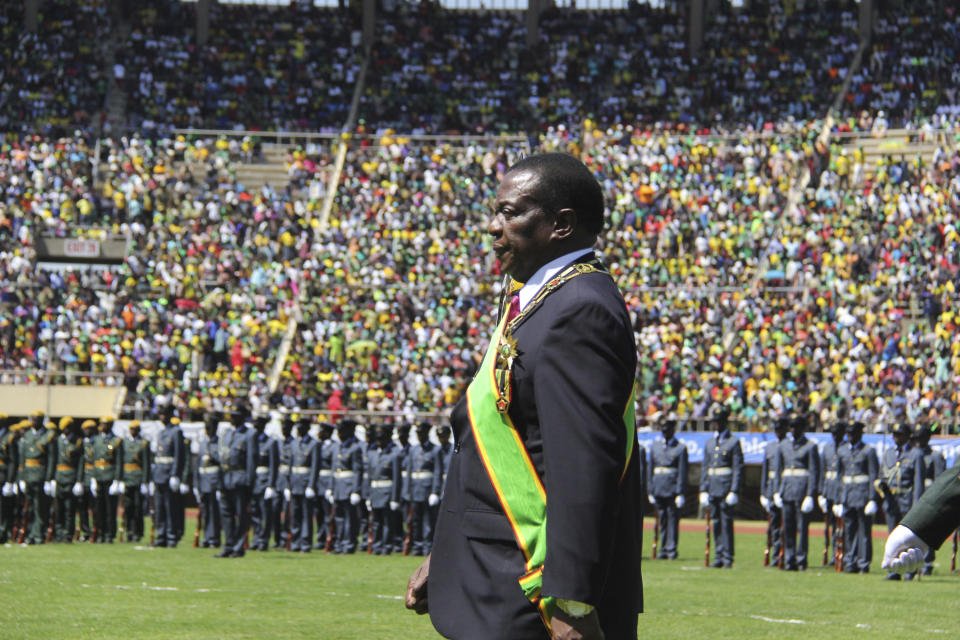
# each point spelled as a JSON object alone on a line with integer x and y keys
{"x": 782, "y": 206}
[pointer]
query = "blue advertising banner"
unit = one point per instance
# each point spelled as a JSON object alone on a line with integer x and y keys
{"x": 754, "y": 443}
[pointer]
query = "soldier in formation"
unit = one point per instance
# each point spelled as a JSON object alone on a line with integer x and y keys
{"x": 136, "y": 472}
{"x": 721, "y": 475}
{"x": 238, "y": 454}
{"x": 208, "y": 481}
{"x": 900, "y": 483}
{"x": 857, "y": 469}
{"x": 799, "y": 477}
{"x": 831, "y": 483}
{"x": 666, "y": 482}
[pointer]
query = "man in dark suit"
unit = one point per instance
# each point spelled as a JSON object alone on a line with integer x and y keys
{"x": 555, "y": 392}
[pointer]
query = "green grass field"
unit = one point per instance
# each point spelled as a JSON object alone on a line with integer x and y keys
{"x": 123, "y": 591}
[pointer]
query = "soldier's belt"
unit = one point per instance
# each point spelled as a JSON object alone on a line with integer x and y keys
{"x": 829, "y": 475}
{"x": 164, "y": 459}
{"x": 32, "y": 462}
{"x": 857, "y": 479}
{"x": 102, "y": 464}
{"x": 88, "y": 465}
{"x": 263, "y": 469}
{"x": 796, "y": 473}
{"x": 720, "y": 471}
{"x": 284, "y": 468}
{"x": 343, "y": 474}
{"x": 205, "y": 471}
{"x": 657, "y": 471}
{"x": 132, "y": 466}
{"x": 420, "y": 475}
{"x": 326, "y": 473}
{"x": 64, "y": 467}
{"x": 380, "y": 484}
{"x": 300, "y": 470}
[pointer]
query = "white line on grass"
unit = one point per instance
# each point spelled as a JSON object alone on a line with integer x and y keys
{"x": 777, "y": 620}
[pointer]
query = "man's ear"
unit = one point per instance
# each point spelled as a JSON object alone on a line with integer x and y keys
{"x": 564, "y": 224}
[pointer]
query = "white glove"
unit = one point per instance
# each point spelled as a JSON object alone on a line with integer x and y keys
{"x": 765, "y": 503}
{"x": 394, "y": 505}
{"x": 145, "y": 489}
{"x": 219, "y": 496}
{"x": 328, "y": 494}
{"x": 174, "y": 483}
{"x": 121, "y": 488}
{"x": 680, "y": 501}
{"x": 23, "y": 486}
{"x": 369, "y": 505}
{"x": 196, "y": 495}
{"x": 778, "y": 500}
{"x": 904, "y": 551}
{"x": 77, "y": 489}
{"x": 113, "y": 489}
{"x": 433, "y": 500}
{"x": 310, "y": 493}
{"x": 822, "y": 501}
{"x": 354, "y": 498}
{"x": 7, "y": 489}
{"x": 53, "y": 487}
{"x": 807, "y": 505}
{"x": 838, "y": 510}
{"x": 731, "y": 499}
{"x": 269, "y": 493}
{"x": 46, "y": 488}
{"x": 93, "y": 487}
{"x": 651, "y": 499}
{"x": 871, "y": 508}
{"x": 153, "y": 488}
{"x": 704, "y": 498}
{"x": 184, "y": 488}
{"x": 287, "y": 495}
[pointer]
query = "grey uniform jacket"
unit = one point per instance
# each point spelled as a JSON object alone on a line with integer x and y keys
{"x": 328, "y": 449}
{"x": 903, "y": 470}
{"x": 770, "y": 469}
{"x": 238, "y": 455}
{"x": 208, "y": 475}
{"x": 722, "y": 469}
{"x": 858, "y": 471}
{"x": 831, "y": 484}
{"x": 170, "y": 458}
{"x": 348, "y": 469}
{"x": 383, "y": 475}
{"x": 304, "y": 464}
{"x": 424, "y": 472}
{"x": 284, "y": 456}
{"x": 799, "y": 469}
{"x": 266, "y": 469}
{"x": 668, "y": 468}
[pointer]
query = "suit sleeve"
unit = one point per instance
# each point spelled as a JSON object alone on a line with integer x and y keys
{"x": 813, "y": 489}
{"x": 582, "y": 383}
{"x": 937, "y": 514}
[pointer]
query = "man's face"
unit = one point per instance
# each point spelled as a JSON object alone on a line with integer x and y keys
{"x": 901, "y": 438}
{"x": 668, "y": 429}
{"x": 210, "y": 426}
{"x": 854, "y": 436}
{"x": 521, "y": 229}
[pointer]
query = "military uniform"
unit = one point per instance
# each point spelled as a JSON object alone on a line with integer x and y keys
{"x": 238, "y": 454}
{"x": 69, "y": 478}
{"x": 85, "y": 502}
{"x": 401, "y": 517}
{"x": 107, "y": 470}
{"x": 180, "y": 499}
{"x": 903, "y": 472}
{"x": 831, "y": 483}
{"x": 136, "y": 471}
{"x": 347, "y": 483}
{"x": 382, "y": 488}
{"x": 720, "y": 477}
{"x": 208, "y": 483}
{"x": 262, "y": 509}
{"x": 769, "y": 474}
{"x": 933, "y": 465}
{"x": 858, "y": 467}
{"x": 8, "y": 479}
{"x": 667, "y": 478}
{"x": 798, "y": 481}
{"x": 325, "y": 524}
{"x": 168, "y": 466}
{"x": 304, "y": 469}
{"x": 38, "y": 457}
{"x": 425, "y": 479}
{"x": 282, "y": 521}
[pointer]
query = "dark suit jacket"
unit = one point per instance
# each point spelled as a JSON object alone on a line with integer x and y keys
{"x": 572, "y": 379}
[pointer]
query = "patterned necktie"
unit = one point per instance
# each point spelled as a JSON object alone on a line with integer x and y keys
{"x": 514, "y": 309}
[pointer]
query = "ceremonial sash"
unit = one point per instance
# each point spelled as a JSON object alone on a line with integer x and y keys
{"x": 504, "y": 456}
